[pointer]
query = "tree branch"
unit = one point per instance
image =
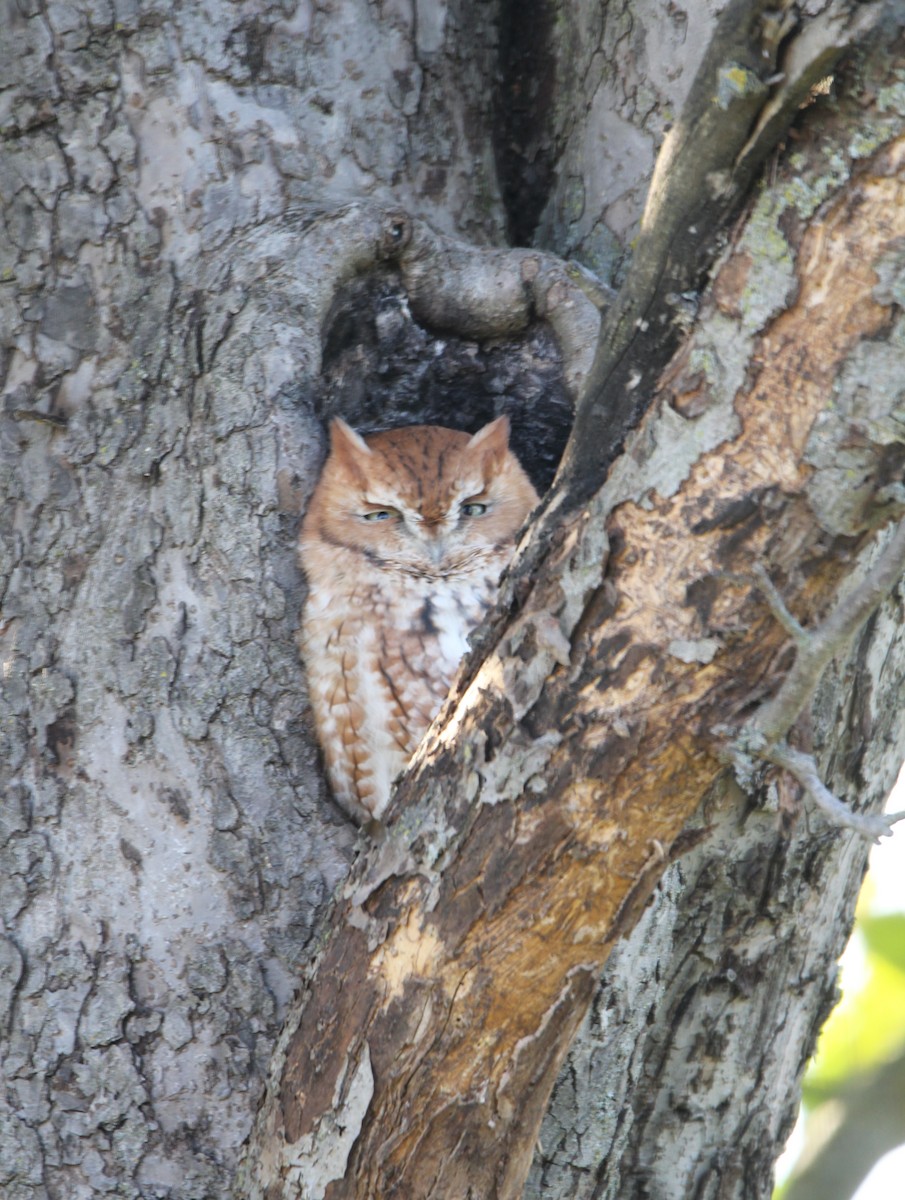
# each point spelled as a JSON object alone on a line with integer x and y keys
{"x": 758, "y": 68}
{"x": 483, "y": 293}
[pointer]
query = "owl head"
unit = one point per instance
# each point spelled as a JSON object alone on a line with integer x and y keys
{"x": 423, "y": 500}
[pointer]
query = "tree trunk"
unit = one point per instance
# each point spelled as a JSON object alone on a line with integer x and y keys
{"x": 221, "y": 228}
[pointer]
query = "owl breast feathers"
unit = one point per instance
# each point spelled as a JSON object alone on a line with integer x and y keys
{"x": 403, "y": 545}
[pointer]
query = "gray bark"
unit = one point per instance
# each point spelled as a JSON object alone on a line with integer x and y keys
{"x": 167, "y": 844}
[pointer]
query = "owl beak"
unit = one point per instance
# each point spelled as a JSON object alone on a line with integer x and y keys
{"x": 433, "y": 540}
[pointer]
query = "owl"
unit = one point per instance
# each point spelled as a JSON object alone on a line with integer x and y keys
{"x": 403, "y": 544}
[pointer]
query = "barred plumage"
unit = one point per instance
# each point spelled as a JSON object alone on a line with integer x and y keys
{"x": 403, "y": 545}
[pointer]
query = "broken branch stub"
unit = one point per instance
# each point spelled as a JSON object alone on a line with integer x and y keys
{"x": 483, "y": 293}
{"x": 300, "y": 263}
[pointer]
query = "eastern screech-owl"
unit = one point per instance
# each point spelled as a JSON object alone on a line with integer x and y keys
{"x": 403, "y": 545}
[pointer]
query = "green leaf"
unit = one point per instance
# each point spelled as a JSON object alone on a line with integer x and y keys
{"x": 885, "y": 936}
{"x": 866, "y": 1029}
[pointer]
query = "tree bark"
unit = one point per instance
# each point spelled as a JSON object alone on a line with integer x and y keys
{"x": 198, "y": 210}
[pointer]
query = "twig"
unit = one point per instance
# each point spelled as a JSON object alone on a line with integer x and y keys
{"x": 818, "y": 646}
{"x": 763, "y": 737}
{"x": 803, "y": 767}
{"x": 787, "y": 620}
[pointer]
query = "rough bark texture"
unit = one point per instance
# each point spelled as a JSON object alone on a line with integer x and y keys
{"x": 189, "y": 199}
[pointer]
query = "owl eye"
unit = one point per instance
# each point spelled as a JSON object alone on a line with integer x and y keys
{"x": 380, "y": 514}
{"x": 473, "y": 509}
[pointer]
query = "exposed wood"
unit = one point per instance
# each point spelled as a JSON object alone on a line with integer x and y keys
{"x": 757, "y": 69}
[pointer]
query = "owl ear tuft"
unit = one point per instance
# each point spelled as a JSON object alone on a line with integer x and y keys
{"x": 492, "y": 440}
{"x": 347, "y": 446}
{"x": 343, "y": 436}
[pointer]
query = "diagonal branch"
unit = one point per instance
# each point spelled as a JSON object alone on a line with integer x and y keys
{"x": 761, "y": 63}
